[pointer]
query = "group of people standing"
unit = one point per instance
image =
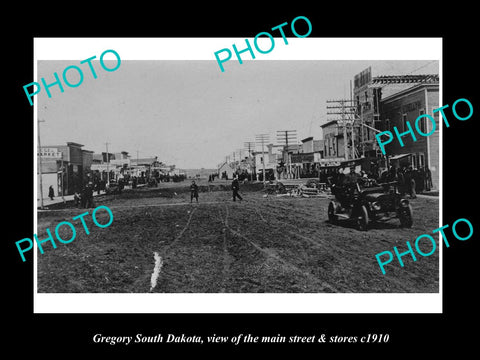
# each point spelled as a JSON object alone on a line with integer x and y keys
{"x": 84, "y": 199}
{"x": 235, "y": 190}
{"x": 410, "y": 181}
{"x": 212, "y": 177}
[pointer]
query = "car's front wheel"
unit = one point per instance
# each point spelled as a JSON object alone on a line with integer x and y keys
{"x": 405, "y": 216}
{"x": 362, "y": 219}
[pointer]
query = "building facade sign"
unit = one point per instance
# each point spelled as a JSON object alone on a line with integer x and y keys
{"x": 302, "y": 158}
{"x": 411, "y": 106}
{"x": 50, "y": 153}
{"x": 363, "y": 78}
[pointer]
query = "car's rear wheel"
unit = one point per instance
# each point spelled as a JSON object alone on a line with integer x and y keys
{"x": 362, "y": 219}
{"x": 405, "y": 216}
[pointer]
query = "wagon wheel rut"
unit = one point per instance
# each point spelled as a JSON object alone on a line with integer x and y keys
{"x": 226, "y": 257}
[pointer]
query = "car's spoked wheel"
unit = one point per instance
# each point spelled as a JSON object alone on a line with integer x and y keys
{"x": 405, "y": 216}
{"x": 362, "y": 219}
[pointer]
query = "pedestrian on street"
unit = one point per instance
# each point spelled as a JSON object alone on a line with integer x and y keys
{"x": 88, "y": 195}
{"x": 50, "y": 192}
{"x": 392, "y": 174}
{"x": 83, "y": 197}
{"x": 413, "y": 193}
{"x": 77, "y": 199}
{"x": 421, "y": 180}
{"x": 428, "y": 179}
{"x": 235, "y": 189}
{"x": 193, "y": 191}
{"x": 410, "y": 182}
{"x": 97, "y": 186}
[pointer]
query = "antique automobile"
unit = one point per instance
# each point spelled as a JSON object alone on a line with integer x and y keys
{"x": 364, "y": 201}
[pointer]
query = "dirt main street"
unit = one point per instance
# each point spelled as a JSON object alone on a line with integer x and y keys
{"x": 262, "y": 244}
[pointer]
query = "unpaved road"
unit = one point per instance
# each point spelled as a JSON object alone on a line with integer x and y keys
{"x": 274, "y": 245}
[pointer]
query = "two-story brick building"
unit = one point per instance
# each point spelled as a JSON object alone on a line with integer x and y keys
{"x": 407, "y": 105}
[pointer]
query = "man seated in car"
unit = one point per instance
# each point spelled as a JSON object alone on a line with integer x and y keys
{"x": 351, "y": 178}
{"x": 346, "y": 186}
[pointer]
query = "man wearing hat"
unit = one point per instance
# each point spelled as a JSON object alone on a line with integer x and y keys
{"x": 235, "y": 188}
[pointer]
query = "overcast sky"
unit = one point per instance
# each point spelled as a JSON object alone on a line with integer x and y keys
{"x": 189, "y": 113}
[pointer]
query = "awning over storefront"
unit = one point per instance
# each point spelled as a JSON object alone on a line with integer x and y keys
{"x": 104, "y": 167}
{"x": 330, "y": 162}
{"x": 399, "y": 156}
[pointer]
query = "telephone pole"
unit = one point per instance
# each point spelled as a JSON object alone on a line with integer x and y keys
{"x": 262, "y": 139}
{"x": 136, "y": 167}
{"x": 61, "y": 179}
{"x": 108, "y": 161}
{"x": 40, "y": 162}
{"x": 240, "y": 151}
{"x": 347, "y": 117}
{"x": 240, "y": 158}
{"x": 249, "y": 146}
{"x": 286, "y": 136}
{"x": 227, "y": 162}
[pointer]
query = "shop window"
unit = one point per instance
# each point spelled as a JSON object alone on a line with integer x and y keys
{"x": 414, "y": 161}
{"x": 435, "y": 117}
{"x": 404, "y": 121}
{"x": 421, "y": 160}
{"x": 423, "y": 123}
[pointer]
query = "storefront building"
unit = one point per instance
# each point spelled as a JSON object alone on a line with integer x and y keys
{"x": 406, "y": 106}
{"x": 225, "y": 171}
{"x": 64, "y": 167}
{"x": 367, "y": 100}
{"x": 333, "y": 145}
{"x": 306, "y": 162}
